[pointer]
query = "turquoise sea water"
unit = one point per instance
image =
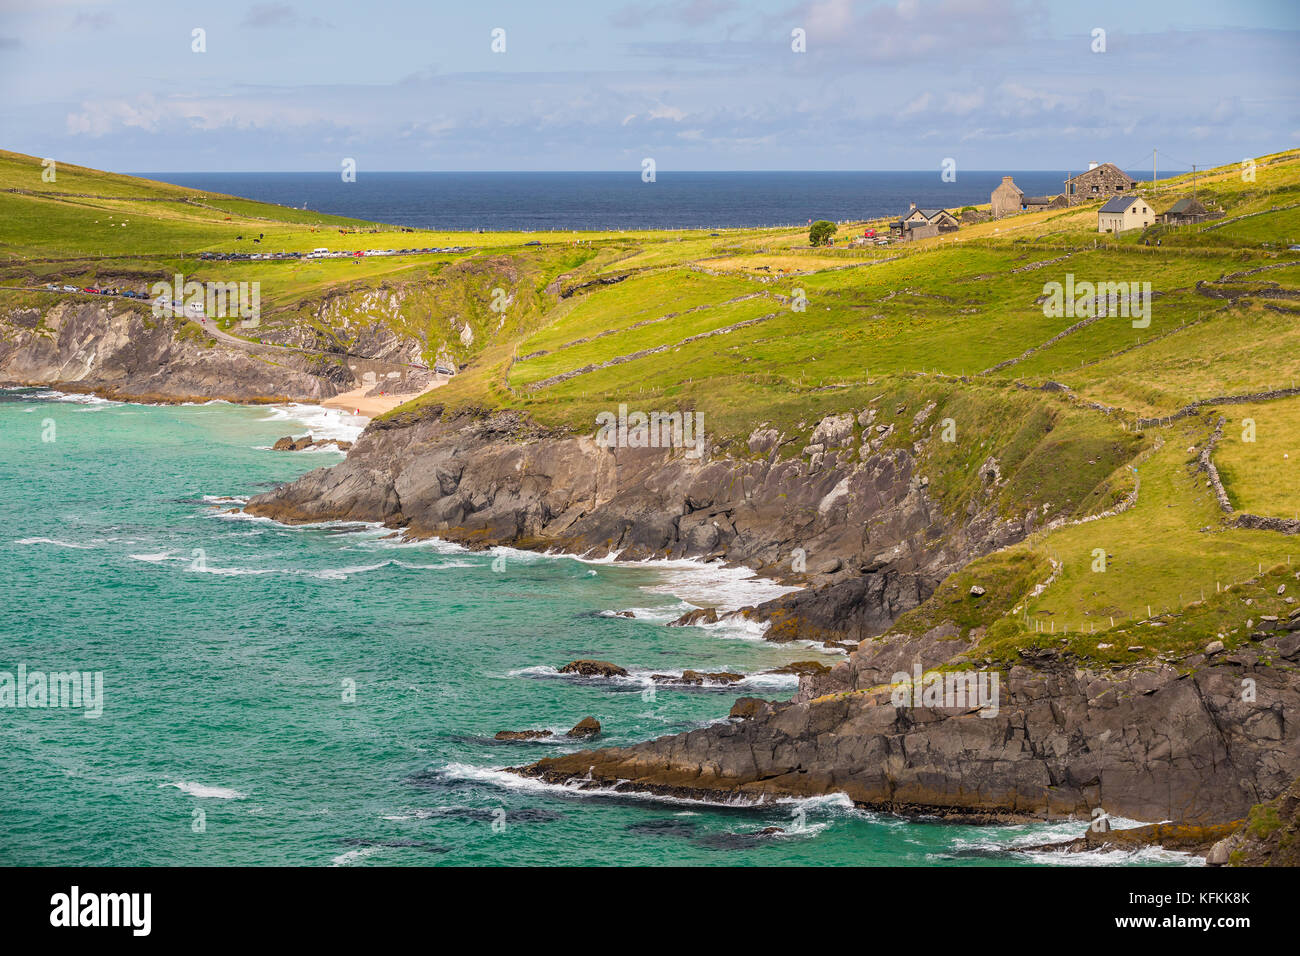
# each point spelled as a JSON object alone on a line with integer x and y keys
{"x": 227, "y": 646}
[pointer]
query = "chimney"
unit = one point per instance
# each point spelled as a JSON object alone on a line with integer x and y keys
{"x": 1006, "y": 179}
{"x": 1093, "y": 165}
{"x": 911, "y": 207}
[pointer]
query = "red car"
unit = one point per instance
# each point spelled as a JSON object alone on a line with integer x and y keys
{"x": 869, "y": 234}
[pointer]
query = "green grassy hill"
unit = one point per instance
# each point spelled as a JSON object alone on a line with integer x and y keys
{"x": 695, "y": 321}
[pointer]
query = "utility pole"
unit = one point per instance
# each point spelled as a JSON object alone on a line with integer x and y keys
{"x": 1154, "y": 154}
{"x": 1193, "y": 180}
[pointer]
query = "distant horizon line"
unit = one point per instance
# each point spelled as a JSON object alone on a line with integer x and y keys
{"x": 628, "y": 172}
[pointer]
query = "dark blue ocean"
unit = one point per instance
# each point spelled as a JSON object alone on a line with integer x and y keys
{"x": 614, "y": 200}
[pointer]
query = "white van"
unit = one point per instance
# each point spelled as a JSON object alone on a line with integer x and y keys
{"x": 317, "y": 253}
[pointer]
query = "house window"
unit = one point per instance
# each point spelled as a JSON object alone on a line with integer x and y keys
{"x": 1094, "y": 189}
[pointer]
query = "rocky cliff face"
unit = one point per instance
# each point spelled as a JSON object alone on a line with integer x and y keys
{"x": 122, "y": 353}
{"x": 1171, "y": 741}
{"x": 860, "y": 529}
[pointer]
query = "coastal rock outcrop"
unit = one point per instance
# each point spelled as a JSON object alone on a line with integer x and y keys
{"x": 698, "y": 678}
{"x": 498, "y": 479}
{"x": 122, "y": 353}
{"x": 1155, "y": 743}
{"x": 1270, "y": 835}
{"x": 289, "y": 443}
{"x": 587, "y": 727}
{"x": 593, "y": 669}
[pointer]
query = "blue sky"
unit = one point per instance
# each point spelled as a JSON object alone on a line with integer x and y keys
{"x": 695, "y": 84}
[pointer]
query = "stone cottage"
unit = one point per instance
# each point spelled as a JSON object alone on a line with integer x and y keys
{"x": 1101, "y": 181}
{"x": 1005, "y": 200}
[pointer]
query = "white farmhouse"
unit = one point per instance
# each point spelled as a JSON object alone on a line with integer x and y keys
{"x": 1124, "y": 212}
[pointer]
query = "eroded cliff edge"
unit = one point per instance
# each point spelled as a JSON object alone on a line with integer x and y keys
{"x": 1164, "y": 740}
{"x": 127, "y": 354}
{"x": 858, "y": 527}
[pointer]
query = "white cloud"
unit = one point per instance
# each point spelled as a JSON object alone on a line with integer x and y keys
{"x": 668, "y": 113}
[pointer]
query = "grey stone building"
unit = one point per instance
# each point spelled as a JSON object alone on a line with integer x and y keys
{"x": 1101, "y": 181}
{"x": 1006, "y": 199}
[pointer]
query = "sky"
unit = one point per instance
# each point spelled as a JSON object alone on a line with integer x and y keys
{"x": 692, "y": 84}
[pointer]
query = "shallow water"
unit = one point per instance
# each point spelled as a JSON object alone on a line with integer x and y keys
{"x": 227, "y": 646}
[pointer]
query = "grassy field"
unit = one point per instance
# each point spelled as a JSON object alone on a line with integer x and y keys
{"x": 1258, "y": 457}
{"x": 753, "y": 328}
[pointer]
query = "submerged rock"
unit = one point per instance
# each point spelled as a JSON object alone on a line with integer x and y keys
{"x": 588, "y": 668}
{"x": 289, "y": 443}
{"x": 801, "y": 668}
{"x": 587, "y": 727}
{"x": 1171, "y": 836}
{"x": 698, "y": 678}
{"x": 521, "y": 734}
{"x": 701, "y": 615}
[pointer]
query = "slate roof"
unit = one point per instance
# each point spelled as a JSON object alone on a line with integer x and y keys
{"x": 1102, "y": 166}
{"x": 1119, "y": 203}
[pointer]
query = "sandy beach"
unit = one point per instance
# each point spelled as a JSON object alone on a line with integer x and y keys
{"x": 358, "y": 402}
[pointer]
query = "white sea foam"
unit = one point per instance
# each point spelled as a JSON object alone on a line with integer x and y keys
{"x": 1147, "y": 854}
{"x": 156, "y": 558}
{"x": 835, "y": 804}
{"x": 637, "y": 677}
{"x": 654, "y": 615}
{"x": 54, "y": 542}
{"x": 355, "y": 856}
{"x": 74, "y": 398}
{"x": 324, "y": 574}
{"x": 321, "y": 422}
{"x": 510, "y": 781}
{"x": 390, "y": 540}
{"x": 225, "y": 499}
{"x": 998, "y": 839}
{"x": 737, "y": 628}
{"x": 700, "y": 583}
{"x": 201, "y": 790}
{"x": 715, "y": 584}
